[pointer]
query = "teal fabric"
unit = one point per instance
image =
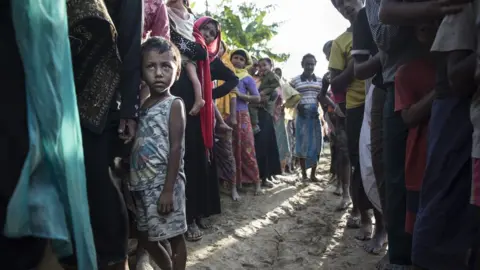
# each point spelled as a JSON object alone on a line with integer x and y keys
{"x": 50, "y": 200}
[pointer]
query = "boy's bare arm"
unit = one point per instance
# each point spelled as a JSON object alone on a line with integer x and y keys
{"x": 177, "y": 132}
{"x": 341, "y": 79}
{"x": 398, "y": 12}
{"x": 366, "y": 69}
{"x": 418, "y": 112}
{"x": 461, "y": 72}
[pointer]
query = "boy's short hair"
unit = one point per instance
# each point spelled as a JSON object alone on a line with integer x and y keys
{"x": 266, "y": 59}
{"x": 161, "y": 45}
{"x": 308, "y": 55}
{"x": 327, "y": 47}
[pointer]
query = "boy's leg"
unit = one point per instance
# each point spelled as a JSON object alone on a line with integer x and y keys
{"x": 156, "y": 251}
{"x": 179, "y": 252}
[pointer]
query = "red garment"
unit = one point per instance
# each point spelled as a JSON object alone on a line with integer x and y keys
{"x": 203, "y": 70}
{"x": 339, "y": 97}
{"x": 156, "y": 19}
{"x": 414, "y": 81}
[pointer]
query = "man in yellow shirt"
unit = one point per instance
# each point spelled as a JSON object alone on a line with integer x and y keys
{"x": 342, "y": 80}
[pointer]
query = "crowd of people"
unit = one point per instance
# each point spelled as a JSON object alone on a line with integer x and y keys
{"x": 126, "y": 118}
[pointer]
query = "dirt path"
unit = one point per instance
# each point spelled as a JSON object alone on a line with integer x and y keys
{"x": 292, "y": 226}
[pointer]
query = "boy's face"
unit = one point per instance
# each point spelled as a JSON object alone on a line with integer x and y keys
{"x": 238, "y": 61}
{"x": 426, "y": 33}
{"x": 264, "y": 66}
{"x": 278, "y": 72}
{"x": 348, "y": 8}
{"x": 309, "y": 65}
{"x": 159, "y": 70}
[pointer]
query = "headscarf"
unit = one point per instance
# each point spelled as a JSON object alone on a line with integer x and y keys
{"x": 223, "y": 103}
{"x": 242, "y": 72}
{"x": 205, "y": 78}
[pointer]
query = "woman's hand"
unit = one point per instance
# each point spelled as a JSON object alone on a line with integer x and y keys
{"x": 232, "y": 121}
{"x": 338, "y": 111}
{"x": 165, "y": 202}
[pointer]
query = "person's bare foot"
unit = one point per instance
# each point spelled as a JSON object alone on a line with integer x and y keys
{"x": 365, "y": 232}
{"x": 235, "y": 195}
{"x": 258, "y": 189}
{"x": 379, "y": 240}
{"x": 383, "y": 263}
{"x": 338, "y": 191}
{"x": 344, "y": 204}
{"x": 274, "y": 180}
{"x": 204, "y": 224}
{"x": 143, "y": 260}
{"x": 314, "y": 178}
{"x": 266, "y": 183}
{"x": 197, "y": 106}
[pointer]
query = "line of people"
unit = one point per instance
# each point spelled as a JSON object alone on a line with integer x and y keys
{"x": 403, "y": 85}
{"x": 160, "y": 113}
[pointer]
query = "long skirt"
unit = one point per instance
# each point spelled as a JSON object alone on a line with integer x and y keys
{"x": 244, "y": 150}
{"x": 26, "y": 252}
{"x": 376, "y": 132}
{"x": 444, "y": 228}
{"x": 282, "y": 140}
{"x": 368, "y": 176}
{"x": 202, "y": 189}
{"x": 308, "y": 135}
{"x": 266, "y": 147}
{"x": 226, "y": 168}
{"x": 395, "y": 134}
{"x": 290, "y": 127}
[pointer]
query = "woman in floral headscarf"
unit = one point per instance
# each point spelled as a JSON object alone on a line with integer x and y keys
{"x": 203, "y": 198}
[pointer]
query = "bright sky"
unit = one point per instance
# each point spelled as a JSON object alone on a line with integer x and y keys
{"x": 308, "y": 24}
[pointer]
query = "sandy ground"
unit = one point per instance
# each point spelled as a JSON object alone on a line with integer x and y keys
{"x": 292, "y": 226}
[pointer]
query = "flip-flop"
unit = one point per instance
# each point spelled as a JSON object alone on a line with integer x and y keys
{"x": 193, "y": 233}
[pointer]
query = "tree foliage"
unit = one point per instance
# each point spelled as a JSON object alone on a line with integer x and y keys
{"x": 245, "y": 27}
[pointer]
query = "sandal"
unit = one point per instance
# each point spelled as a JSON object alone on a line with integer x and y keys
{"x": 193, "y": 233}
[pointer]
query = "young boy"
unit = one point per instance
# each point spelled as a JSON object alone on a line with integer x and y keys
{"x": 414, "y": 84}
{"x": 157, "y": 178}
{"x": 342, "y": 78}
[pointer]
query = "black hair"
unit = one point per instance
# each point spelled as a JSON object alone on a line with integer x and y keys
{"x": 266, "y": 59}
{"x": 308, "y": 55}
{"x": 242, "y": 53}
{"x": 186, "y": 3}
{"x": 161, "y": 45}
{"x": 327, "y": 47}
{"x": 278, "y": 70}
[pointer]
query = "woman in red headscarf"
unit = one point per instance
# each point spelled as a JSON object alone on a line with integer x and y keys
{"x": 202, "y": 191}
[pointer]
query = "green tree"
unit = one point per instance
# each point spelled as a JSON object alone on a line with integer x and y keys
{"x": 245, "y": 27}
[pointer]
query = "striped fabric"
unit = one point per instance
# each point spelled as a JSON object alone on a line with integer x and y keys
{"x": 309, "y": 89}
